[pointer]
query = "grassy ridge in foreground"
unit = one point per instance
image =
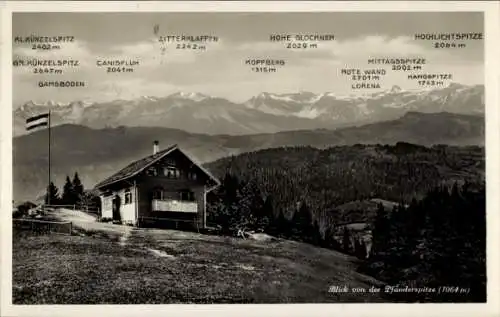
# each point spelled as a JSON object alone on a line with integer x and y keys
{"x": 163, "y": 266}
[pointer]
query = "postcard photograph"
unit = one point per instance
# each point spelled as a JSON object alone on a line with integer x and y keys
{"x": 248, "y": 157}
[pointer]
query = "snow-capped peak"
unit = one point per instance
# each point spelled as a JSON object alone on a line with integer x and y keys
{"x": 263, "y": 95}
{"x": 338, "y": 96}
{"x": 395, "y": 89}
{"x": 281, "y": 97}
{"x": 54, "y": 105}
{"x": 301, "y": 97}
{"x": 49, "y": 103}
{"x": 195, "y": 96}
{"x": 87, "y": 103}
{"x": 149, "y": 98}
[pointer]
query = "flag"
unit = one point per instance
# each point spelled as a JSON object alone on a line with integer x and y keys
{"x": 41, "y": 120}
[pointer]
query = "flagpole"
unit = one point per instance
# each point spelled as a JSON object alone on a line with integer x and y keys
{"x": 48, "y": 188}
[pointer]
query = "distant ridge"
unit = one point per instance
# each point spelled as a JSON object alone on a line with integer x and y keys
{"x": 96, "y": 153}
{"x": 265, "y": 113}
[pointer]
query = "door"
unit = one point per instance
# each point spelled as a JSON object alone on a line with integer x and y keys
{"x": 116, "y": 208}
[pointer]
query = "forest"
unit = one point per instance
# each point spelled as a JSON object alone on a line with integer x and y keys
{"x": 434, "y": 235}
{"x": 437, "y": 241}
{"x": 324, "y": 179}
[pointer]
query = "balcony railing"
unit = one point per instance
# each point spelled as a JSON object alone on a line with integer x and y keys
{"x": 174, "y": 205}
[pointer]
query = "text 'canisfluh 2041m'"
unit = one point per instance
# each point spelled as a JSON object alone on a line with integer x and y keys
{"x": 309, "y": 157}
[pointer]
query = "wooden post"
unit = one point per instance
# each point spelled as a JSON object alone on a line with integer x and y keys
{"x": 50, "y": 181}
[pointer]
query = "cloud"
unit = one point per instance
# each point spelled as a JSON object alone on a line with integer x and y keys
{"x": 351, "y": 49}
{"x": 156, "y": 58}
{"x": 220, "y": 67}
{"x": 378, "y": 45}
{"x": 151, "y": 51}
{"x": 150, "y": 54}
{"x": 355, "y": 52}
{"x": 77, "y": 50}
{"x": 134, "y": 87}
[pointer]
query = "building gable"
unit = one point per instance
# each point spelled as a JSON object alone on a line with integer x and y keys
{"x": 176, "y": 165}
{"x": 173, "y": 158}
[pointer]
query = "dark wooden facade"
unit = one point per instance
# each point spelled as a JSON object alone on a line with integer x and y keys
{"x": 167, "y": 186}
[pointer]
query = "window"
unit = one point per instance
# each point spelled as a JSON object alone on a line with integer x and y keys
{"x": 192, "y": 175}
{"x": 128, "y": 196}
{"x": 152, "y": 171}
{"x": 187, "y": 195}
{"x": 171, "y": 172}
{"x": 158, "y": 193}
{"x": 106, "y": 202}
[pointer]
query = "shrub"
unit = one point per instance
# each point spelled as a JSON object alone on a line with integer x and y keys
{"x": 22, "y": 209}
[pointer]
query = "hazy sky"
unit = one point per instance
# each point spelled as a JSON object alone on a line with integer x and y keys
{"x": 219, "y": 70}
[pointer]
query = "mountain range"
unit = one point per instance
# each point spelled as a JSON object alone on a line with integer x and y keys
{"x": 97, "y": 153}
{"x": 264, "y": 113}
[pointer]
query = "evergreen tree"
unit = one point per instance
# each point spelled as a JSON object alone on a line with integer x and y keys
{"x": 381, "y": 227}
{"x": 256, "y": 215}
{"x": 329, "y": 239}
{"x": 90, "y": 201}
{"x": 281, "y": 225}
{"x": 77, "y": 188}
{"x": 229, "y": 188}
{"x": 265, "y": 215}
{"x": 316, "y": 238}
{"x": 346, "y": 241}
{"x": 360, "y": 248}
{"x": 68, "y": 195}
{"x": 52, "y": 195}
{"x": 302, "y": 223}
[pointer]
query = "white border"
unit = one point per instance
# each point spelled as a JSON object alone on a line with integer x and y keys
{"x": 492, "y": 54}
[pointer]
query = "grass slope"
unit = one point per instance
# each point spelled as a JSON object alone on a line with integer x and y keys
{"x": 151, "y": 266}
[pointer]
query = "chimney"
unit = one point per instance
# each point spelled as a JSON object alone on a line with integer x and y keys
{"x": 156, "y": 147}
